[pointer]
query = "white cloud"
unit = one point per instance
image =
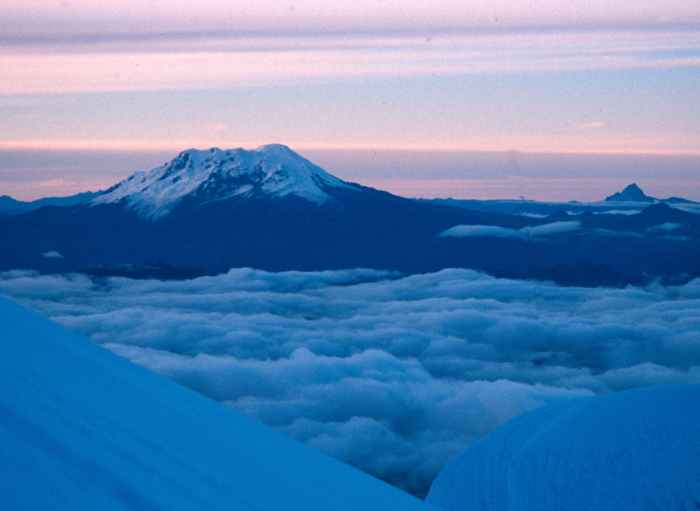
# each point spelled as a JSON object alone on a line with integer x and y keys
{"x": 554, "y": 228}
{"x": 223, "y": 61}
{"x": 475, "y": 231}
{"x": 216, "y": 127}
{"x": 664, "y": 228}
{"x": 613, "y": 233}
{"x": 592, "y": 125}
{"x": 621, "y": 212}
{"x": 52, "y": 254}
{"x": 526, "y": 233}
{"x": 690, "y": 208}
{"x": 393, "y": 374}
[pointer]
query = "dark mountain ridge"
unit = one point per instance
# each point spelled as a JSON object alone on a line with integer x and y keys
{"x": 10, "y": 206}
{"x": 209, "y": 211}
{"x": 631, "y": 200}
{"x": 631, "y": 193}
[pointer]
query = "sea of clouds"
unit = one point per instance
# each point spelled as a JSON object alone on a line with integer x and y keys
{"x": 394, "y": 375}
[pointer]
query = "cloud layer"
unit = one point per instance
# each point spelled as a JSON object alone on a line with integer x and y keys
{"x": 536, "y": 233}
{"x": 215, "y": 61}
{"x": 394, "y": 375}
{"x": 315, "y": 16}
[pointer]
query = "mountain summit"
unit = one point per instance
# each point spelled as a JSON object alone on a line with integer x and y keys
{"x": 630, "y": 194}
{"x": 215, "y": 174}
{"x": 635, "y": 194}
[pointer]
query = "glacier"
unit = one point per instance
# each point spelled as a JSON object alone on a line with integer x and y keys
{"x": 82, "y": 428}
{"x": 631, "y": 450}
{"x": 214, "y": 174}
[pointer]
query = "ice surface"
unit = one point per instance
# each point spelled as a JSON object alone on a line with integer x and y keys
{"x": 637, "y": 449}
{"x": 82, "y": 428}
{"x": 275, "y": 169}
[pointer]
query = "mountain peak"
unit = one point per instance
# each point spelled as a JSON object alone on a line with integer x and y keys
{"x": 631, "y": 193}
{"x": 206, "y": 175}
{"x": 633, "y": 190}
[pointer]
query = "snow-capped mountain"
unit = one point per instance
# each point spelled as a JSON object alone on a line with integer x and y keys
{"x": 271, "y": 209}
{"x": 215, "y": 174}
{"x": 217, "y": 209}
{"x": 630, "y": 450}
{"x": 82, "y": 428}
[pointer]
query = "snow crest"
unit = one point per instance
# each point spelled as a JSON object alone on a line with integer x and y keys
{"x": 629, "y": 450}
{"x": 215, "y": 174}
{"x": 82, "y": 428}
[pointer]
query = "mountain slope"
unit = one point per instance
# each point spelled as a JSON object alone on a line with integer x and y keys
{"x": 625, "y": 451}
{"x": 10, "y": 206}
{"x": 202, "y": 176}
{"x": 214, "y": 210}
{"x": 83, "y": 428}
{"x": 631, "y": 193}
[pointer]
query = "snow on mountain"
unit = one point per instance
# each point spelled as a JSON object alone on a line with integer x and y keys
{"x": 271, "y": 170}
{"x": 630, "y": 450}
{"x": 82, "y": 428}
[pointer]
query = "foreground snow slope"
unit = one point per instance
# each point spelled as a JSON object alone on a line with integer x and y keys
{"x": 638, "y": 449}
{"x": 81, "y": 428}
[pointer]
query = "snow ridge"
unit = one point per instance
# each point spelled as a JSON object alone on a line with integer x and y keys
{"x": 82, "y": 428}
{"x": 629, "y": 450}
{"x": 214, "y": 174}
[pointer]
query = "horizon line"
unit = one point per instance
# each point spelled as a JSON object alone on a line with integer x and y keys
{"x": 183, "y": 145}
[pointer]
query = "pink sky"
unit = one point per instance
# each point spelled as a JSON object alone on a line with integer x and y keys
{"x": 316, "y": 16}
{"x": 548, "y": 76}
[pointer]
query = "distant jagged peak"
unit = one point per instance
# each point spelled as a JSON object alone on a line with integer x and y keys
{"x": 205, "y": 175}
{"x": 631, "y": 194}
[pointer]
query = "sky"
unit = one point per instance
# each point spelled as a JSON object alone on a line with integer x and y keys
{"x": 131, "y": 84}
{"x": 393, "y": 375}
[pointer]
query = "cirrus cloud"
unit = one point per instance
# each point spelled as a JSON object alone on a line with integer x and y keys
{"x": 313, "y": 16}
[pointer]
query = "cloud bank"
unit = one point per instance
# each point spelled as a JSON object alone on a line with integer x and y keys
{"x": 394, "y": 375}
{"x": 526, "y": 233}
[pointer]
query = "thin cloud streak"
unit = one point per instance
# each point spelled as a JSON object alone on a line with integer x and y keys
{"x": 233, "y": 63}
{"x": 593, "y": 125}
{"x": 614, "y": 145}
{"x": 318, "y": 17}
{"x": 538, "y": 233}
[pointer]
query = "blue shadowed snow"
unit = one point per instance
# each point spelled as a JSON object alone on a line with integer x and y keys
{"x": 82, "y": 428}
{"x": 631, "y": 450}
